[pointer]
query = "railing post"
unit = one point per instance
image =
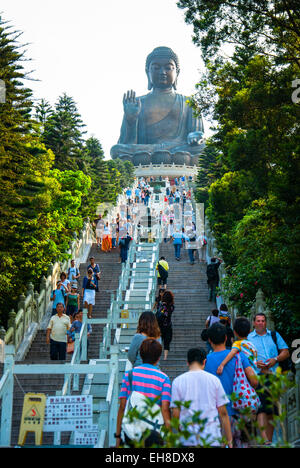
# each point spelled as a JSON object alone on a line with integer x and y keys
{"x": 21, "y": 305}
{"x": 84, "y": 337}
{"x": 113, "y": 411}
{"x": 57, "y": 435}
{"x": 7, "y": 399}
{"x": 35, "y": 305}
{"x": 2, "y": 344}
{"x": 12, "y": 323}
{"x": 77, "y": 352}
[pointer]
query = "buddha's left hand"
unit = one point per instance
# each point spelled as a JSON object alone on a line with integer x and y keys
{"x": 194, "y": 138}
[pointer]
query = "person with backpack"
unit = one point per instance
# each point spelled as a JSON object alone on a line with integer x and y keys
{"x": 162, "y": 268}
{"x": 273, "y": 352}
{"x": 143, "y": 381}
{"x": 191, "y": 244}
{"x": 124, "y": 242}
{"x": 213, "y": 277}
{"x": 73, "y": 274}
{"x": 164, "y": 318}
{"x": 213, "y": 318}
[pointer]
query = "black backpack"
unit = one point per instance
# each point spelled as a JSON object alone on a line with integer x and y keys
{"x": 211, "y": 272}
{"x": 162, "y": 272}
{"x": 287, "y": 364}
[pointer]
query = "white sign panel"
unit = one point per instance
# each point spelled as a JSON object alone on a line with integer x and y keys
{"x": 69, "y": 413}
{"x": 86, "y": 437}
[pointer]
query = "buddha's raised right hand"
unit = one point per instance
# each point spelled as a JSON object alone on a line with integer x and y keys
{"x": 132, "y": 106}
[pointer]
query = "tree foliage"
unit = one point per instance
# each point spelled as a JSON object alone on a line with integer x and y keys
{"x": 51, "y": 178}
{"x": 253, "y": 190}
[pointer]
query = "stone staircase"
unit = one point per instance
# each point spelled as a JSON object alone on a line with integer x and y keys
{"x": 188, "y": 283}
{"x": 39, "y": 351}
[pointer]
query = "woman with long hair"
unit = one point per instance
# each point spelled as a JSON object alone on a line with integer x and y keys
{"x": 164, "y": 318}
{"x": 157, "y": 302}
{"x": 147, "y": 328}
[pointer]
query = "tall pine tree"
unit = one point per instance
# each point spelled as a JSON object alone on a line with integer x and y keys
{"x": 24, "y": 183}
{"x": 63, "y": 134}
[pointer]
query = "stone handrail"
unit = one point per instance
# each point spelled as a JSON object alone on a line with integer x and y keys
{"x": 32, "y": 307}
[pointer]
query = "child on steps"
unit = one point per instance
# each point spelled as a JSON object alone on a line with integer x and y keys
{"x": 241, "y": 330}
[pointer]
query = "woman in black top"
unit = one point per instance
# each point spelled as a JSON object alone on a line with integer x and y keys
{"x": 164, "y": 318}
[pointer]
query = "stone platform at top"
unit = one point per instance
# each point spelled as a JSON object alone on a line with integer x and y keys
{"x": 160, "y": 127}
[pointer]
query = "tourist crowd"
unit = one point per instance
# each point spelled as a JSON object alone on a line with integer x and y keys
{"x": 217, "y": 386}
{"x": 234, "y": 359}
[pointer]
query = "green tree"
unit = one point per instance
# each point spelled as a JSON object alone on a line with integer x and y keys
{"x": 253, "y": 205}
{"x": 24, "y": 181}
{"x": 43, "y": 111}
{"x": 209, "y": 172}
{"x": 63, "y": 134}
{"x": 268, "y": 28}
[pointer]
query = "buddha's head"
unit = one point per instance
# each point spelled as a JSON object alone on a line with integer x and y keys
{"x": 162, "y": 68}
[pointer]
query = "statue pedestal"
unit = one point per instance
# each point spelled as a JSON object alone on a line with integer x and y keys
{"x": 166, "y": 170}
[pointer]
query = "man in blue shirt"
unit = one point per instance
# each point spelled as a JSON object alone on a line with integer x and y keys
{"x": 217, "y": 337}
{"x": 137, "y": 195}
{"x": 269, "y": 355}
{"x": 177, "y": 238}
{"x": 58, "y": 296}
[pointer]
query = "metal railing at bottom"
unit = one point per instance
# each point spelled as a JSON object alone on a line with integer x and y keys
{"x": 107, "y": 410}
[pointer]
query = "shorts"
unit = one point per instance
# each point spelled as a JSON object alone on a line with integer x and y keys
{"x": 266, "y": 406}
{"x": 99, "y": 233}
{"x": 89, "y": 296}
{"x": 161, "y": 281}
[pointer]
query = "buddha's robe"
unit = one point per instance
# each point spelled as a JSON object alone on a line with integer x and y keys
{"x": 166, "y": 132}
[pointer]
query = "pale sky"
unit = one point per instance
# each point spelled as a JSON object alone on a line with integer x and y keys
{"x": 95, "y": 50}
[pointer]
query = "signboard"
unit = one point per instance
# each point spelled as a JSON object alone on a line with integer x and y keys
{"x": 32, "y": 417}
{"x": 86, "y": 437}
{"x": 69, "y": 413}
{"x": 125, "y": 314}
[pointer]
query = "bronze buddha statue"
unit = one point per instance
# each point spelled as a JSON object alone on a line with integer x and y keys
{"x": 159, "y": 127}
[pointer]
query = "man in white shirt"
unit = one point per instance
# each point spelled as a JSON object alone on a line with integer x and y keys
{"x": 56, "y": 334}
{"x": 206, "y": 394}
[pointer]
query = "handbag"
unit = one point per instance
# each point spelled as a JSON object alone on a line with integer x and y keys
{"x": 70, "y": 347}
{"x": 134, "y": 429}
{"x": 245, "y": 394}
